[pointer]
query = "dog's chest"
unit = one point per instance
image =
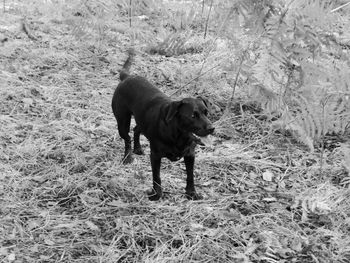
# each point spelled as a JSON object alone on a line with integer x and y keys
{"x": 176, "y": 151}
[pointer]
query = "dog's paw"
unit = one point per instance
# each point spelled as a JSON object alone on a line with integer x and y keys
{"x": 153, "y": 195}
{"x": 139, "y": 151}
{"x": 193, "y": 196}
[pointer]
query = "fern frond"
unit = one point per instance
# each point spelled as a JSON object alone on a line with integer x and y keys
{"x": 345, "y": 149}
{"x": 269, "y": 100}
{"x": 173, "y": 44}
{"x": 320, "y": 201}
{"x": 311, "y": 120}
{"x": 272, "y": 25}
{"x": 316, "y": 12}
{"x": 337, "y": 115}
{"x": 269, "y": 68}
{"x": 292, "y": 74}
{"x": 139, "y": 7}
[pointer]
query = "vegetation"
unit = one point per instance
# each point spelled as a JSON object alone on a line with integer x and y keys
{"x": 275, "y": 177}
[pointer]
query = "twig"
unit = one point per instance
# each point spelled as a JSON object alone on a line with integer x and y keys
{"x": 207, "y": 22}
{"x": 130, "y": 9}
{"x": 213, "y": 43}
{"x": 229, "y": 104}
{"x": 203, "y": 1}
{"x": 340, "y": 7}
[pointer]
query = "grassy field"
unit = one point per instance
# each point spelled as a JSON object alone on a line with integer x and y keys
{"x": 65, "y": 197}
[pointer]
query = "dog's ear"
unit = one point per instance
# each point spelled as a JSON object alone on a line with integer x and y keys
{"x": 205, "y": 101}
{"x": 173, "y": 108}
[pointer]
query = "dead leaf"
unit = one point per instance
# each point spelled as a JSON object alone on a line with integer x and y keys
{"x": 11, "y": 257}
{"x": 196, "y": 226}
{"x": 270, "y": 188}
{"x": 92, "y": 226}
{"x": 250, "y": 184}
{"x": 270, "y": 199}
{"x": 34, "y": 224}
{"x": 297, "y": 245}
{"x": 282, "y": 185}
{"x": 211, "y": 232}
{"x": 284, "y": 252}
{"x": 268, "y": 175}
{"x": 49, "y": 242}
{"x": 320, "y": 207}
{"x": 44, "y": 257}
{"x": 39, "y": 179}
{"x": 28, "y": 101}
{"x": 87, "y": 199}
{"x": 207, "y": 183}
{"x": 34, "y": 248}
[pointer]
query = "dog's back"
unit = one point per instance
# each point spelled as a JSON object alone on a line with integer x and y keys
{"x": 132, "y": 91}
{"x": 136, "y": 96}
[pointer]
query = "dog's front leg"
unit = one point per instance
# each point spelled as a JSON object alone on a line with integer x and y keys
{"x": 156, "y": 192}
{"x": 190, "y": 190}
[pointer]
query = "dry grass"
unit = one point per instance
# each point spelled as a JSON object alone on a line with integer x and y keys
{"x": 66, "y": 198}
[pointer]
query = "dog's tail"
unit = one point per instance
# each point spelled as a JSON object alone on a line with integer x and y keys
{"x": 124, "y": 72}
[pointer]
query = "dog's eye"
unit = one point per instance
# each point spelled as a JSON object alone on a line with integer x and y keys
{"x": 206, "y": 112}
{"x": 194, "y": 115}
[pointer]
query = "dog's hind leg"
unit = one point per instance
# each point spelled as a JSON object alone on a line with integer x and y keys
{"x": 123, "y": 120}
{"x": 137, "y": 146}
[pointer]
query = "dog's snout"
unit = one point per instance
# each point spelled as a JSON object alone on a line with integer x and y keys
{"x": 204, "y": 131}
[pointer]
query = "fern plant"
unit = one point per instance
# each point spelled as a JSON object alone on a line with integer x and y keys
{"x": 97, "y": 18}
{"x": 165, "y": 30}
{"x": 301, "y": 70}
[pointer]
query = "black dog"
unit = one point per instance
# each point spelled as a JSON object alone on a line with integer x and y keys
{"x": 170, "y": 126}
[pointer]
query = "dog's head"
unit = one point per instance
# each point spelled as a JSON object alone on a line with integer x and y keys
{"x": 191, "y": 115}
